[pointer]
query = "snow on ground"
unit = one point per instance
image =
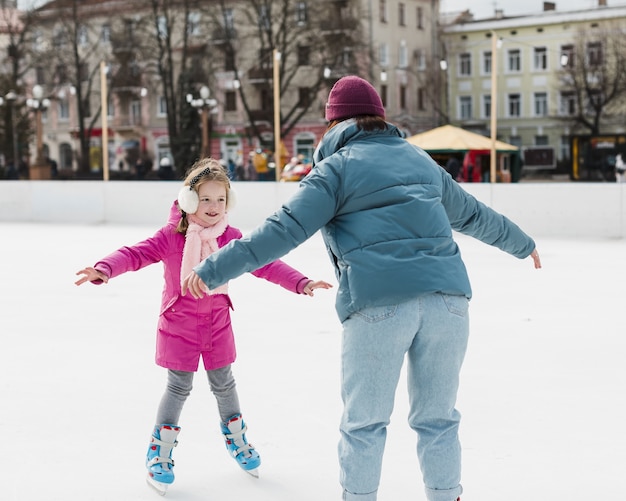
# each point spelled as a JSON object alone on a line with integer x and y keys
{"x": 542, "y": 392}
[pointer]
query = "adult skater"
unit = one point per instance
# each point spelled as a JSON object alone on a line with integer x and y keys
{"x": 386, "y": 211}
{"x": 191, "y": 329}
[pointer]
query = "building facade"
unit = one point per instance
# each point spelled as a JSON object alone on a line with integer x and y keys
{"x": 396, "y": 51}
{"x": 535, "y": 58}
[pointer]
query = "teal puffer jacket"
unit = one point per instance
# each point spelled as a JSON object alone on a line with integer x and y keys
{"x": 386, "y": 211}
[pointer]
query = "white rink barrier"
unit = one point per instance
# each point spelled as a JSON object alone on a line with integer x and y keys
{"x": 543, "y": 209}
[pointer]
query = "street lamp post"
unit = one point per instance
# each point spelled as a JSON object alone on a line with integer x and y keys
{"x": 11, "y": 98}
{"x": 207, "y": 107}
{"x": 40, "y": 169}
{"x": 277, "y": 139}
{"x": 495, "y": 43}
{"x": 104, "y": 112}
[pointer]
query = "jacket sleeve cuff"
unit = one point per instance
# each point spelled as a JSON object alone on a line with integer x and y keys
{"x": 302, "y": 284}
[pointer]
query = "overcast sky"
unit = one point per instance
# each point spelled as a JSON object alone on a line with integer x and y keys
{"x": 485, "y": 8}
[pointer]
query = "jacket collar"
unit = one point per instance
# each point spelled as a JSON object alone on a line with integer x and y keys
{"x": 344, "y": 132}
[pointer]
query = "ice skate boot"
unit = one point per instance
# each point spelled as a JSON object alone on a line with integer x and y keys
{"x": 159, "y": 458}
{"x": 234, "y": 431}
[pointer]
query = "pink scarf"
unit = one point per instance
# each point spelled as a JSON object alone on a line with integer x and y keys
{"x": 200, "y": 242}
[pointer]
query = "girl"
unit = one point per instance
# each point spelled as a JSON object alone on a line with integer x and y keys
{"x": 191, "y": 328}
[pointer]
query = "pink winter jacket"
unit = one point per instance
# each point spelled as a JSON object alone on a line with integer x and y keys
{"x": 189, "y": 328}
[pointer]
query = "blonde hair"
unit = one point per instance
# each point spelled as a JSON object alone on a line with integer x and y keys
{"x": 204, "y": 170}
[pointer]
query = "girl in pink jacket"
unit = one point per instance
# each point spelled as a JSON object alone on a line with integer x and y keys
{"x": 188, "y": 328}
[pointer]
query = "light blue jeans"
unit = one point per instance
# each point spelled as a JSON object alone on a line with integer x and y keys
{"x": 432, "y": 332}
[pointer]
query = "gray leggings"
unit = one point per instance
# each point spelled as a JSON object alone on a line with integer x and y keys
{"x": 179, "y": 385}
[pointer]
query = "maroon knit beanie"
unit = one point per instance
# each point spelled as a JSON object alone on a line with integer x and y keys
{"x": 352, "y": 96}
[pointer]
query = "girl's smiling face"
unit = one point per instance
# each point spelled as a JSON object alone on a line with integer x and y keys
{"x": 212, "y": 206}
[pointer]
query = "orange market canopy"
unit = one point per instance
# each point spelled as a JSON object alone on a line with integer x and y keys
{"x": 449, "y": 139}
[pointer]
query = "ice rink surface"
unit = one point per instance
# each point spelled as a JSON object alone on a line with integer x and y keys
{"x": 542, "y": 390}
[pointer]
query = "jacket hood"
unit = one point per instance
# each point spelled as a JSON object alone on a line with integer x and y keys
{"x": 175, "y": 214}
{"x": 344, "y": 132}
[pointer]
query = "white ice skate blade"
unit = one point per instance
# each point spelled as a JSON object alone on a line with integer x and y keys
{"x": 159, "y": 487}
{"x": 254, "y": 472}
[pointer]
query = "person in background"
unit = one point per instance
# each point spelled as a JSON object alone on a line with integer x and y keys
{"x": 387, "y": 213}
{"x": 193, "y": 328}
{"x": 620, "y": 169}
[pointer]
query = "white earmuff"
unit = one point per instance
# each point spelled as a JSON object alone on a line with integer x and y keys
{"x": 188, "y": 199}
{"x": 232, "y": 199}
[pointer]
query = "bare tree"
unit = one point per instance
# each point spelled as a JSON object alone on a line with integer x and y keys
{"x": 72, "y": 60}
{"x": 318, "y": 42}
{"x": 15, "y": 122}
{"x": 593, "y": 77}
{"x": 180, "y": 63}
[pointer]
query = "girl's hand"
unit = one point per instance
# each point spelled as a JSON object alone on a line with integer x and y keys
{"x": 194, "y": 284}
{"x": 90, "y": 275}
{"x": 311, "y": 286}
{"x": 535, "y": 255}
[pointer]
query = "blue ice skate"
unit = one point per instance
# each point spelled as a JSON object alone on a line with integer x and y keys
{"x": 159, "y": 458}
{"x": 247, "y": 457}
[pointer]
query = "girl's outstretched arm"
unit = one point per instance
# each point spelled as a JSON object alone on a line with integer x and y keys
{"x": 90, "y": 274}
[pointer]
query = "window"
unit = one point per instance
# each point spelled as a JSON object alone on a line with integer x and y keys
{"x": 403, "y": 97}
{"x": 465, "y": 107}
{"x": 65, "y": 156}
{"x": 304, "y": 55}
{"x": 515, "y": 105}
{"x": 193, "y": 24}
{"x": 487, "y": 106}
{"x": 63, "y": 110}
{"x": 230, "y": 100}
{"x": 61, "y": 73}
{"x": 594, "y": 53}
{"x": 304, "y": 97}
{"x": 401, "y": 14}
{"x": 383, "y": 54}
{"x": 420, "y": 18}
{"x": 38, "y": 39}
{"x": 82, "y": 36}
{"x": 58, "y": 40}
{"x": 383, "y": 94}
{"x": 301, "y": 13}
{"x": 542, "y": 140}
{"x": 86, "y": 107}
{"x": 541, "y": 104}
{"x": 403, "y": 59}
{"x": 229, "y": 61}
{"x": 515, "y": 60}
{"x": 162, "y": 109}
{"x": 421, "y": 101}
{"x": 540, "y": 61}
{"x": 305, "y": 145}
{"x": 83, "y": 71}
{"x": 465, "y": 64}
{"x": 135, "y": 112}
{"x": 264, "y": 18}
{"x": 486, "y": 67}
{"x": 564, "y": 147}
{"x": 162, "y": 27}
{"x": 567, "y": 104}
{"x": 229, "y": 20}
{"x": 421, "y": 59}
{"x": 105, "y": 33}
{"x": 382, "y": 11}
